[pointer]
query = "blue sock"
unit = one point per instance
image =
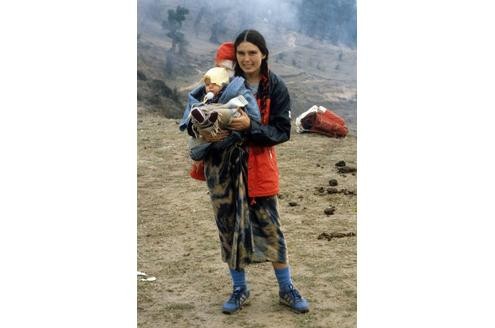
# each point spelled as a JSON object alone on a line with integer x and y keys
{"x": 283, "y": 278}
{"x": 238, "y": 278}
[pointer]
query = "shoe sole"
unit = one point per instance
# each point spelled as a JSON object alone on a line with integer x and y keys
{"x": 213, "y": 117}
{"x": 198, "y": 116}
{"x": 291, "y": 308}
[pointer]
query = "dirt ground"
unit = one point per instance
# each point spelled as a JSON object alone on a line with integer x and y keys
{"x": 178, "y": 241}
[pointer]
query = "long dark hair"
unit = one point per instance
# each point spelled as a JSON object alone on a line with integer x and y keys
{"x": 258, "y": 40}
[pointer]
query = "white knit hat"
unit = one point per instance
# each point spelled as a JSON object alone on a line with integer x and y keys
{"x": 217, "y": 75}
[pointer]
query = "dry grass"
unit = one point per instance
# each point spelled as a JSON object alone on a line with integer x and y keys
{"x": 178, "y": 241}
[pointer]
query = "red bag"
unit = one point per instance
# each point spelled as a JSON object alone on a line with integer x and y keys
{"x": 318, "y": 119}
{"x": 198, "y": 171}
{"x": 329, "y": 124}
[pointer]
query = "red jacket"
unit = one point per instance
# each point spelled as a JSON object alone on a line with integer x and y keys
{"x": 274, "y": 129}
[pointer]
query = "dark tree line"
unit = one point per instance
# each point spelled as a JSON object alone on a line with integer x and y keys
{"x": 333, "y": 20}
{"x": 330, "y": 20}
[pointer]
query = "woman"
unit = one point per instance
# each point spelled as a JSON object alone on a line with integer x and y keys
{"x": 242, "y": 177}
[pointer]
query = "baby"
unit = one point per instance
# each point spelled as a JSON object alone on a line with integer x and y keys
{"x": 224, "y": 57}
{"x": 210, "y": 113}
{"x": 222, "y": 99}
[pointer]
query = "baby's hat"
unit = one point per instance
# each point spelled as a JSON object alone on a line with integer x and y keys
{"x": 225, "y": 55}
{"x": 217, "y": 75}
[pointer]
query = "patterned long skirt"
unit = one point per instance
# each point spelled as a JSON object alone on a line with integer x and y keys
{"x": 249, "y": 229}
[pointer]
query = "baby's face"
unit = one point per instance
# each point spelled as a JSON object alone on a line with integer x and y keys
{"x": 212, "y": 87}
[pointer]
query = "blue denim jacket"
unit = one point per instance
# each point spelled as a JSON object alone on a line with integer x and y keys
{"x": 235, "y": 88}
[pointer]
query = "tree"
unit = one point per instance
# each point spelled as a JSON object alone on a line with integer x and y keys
{"x": 217, "y": 29}
{"x": 174, "y": 24}
{"x": 198, "y": 19}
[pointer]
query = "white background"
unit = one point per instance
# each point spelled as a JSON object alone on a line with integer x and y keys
{"x": 68, "y": 167}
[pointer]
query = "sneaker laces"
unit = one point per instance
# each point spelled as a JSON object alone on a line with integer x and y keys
{"x": 236, "y": 296}
{"x": 294, "y": 293}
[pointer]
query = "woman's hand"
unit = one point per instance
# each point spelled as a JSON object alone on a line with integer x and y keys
{"x": 241, "y": 123}
{"x": 217, "y": 137}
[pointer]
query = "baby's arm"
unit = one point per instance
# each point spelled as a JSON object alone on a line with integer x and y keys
{"x": 192, "y": 98}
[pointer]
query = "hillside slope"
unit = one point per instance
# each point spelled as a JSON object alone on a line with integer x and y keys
{"x": 316, "y": 72}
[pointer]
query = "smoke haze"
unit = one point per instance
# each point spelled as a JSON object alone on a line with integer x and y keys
{"x": 331, "y": 20}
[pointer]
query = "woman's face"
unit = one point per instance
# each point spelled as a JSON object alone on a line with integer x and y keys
{"x": 249, "y": 58}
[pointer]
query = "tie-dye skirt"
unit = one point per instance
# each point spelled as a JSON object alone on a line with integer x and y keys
{"x": 249, "y": 229}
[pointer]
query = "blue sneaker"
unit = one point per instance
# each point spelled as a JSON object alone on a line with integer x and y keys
{"x": 293, "y": 299}
{"x": 238, "y": 298}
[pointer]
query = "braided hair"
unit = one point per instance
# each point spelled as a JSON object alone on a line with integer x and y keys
{"x": 255, "y": 37}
